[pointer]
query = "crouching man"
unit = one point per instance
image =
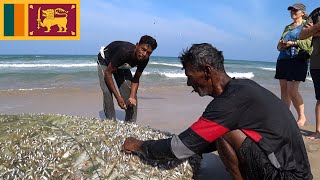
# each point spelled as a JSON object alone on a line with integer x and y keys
{"x": 254, "y": 133}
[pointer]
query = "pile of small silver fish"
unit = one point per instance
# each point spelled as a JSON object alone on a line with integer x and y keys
{"x": 44, "y": 146}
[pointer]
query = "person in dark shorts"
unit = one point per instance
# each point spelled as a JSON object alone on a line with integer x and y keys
{"x": 291, "y": 69}
{"x": 254, "y": 132}
{"x": 312, "y": 29}
{"x": 117, "y": 59}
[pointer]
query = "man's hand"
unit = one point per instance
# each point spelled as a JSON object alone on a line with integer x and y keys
{"x": 132, "y": 102}
{"x": 121, "y": 103}
{"x": 131, "y": 145}
{"x": 309, "y": 30}
{"x": 309, "y": 24}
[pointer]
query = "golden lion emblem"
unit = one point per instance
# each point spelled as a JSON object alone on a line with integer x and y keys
{"x": 50, "y": 19}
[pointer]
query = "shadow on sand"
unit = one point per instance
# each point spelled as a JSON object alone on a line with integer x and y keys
{"x": 212, "y": 168}
{"x": 305, "y": 132}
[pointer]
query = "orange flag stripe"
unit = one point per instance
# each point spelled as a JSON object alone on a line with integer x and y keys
{"x": 19, "y": 20}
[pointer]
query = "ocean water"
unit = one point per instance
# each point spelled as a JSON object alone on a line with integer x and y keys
{"x": 34, "y": 72}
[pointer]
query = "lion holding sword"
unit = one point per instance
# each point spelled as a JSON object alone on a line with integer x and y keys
{"x": 50, "y": 19}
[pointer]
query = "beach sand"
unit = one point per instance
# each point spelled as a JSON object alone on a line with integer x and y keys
{"x": 171, "y": 109}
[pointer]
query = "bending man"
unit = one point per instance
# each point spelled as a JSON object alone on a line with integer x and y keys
{"x": 117, "y": 59}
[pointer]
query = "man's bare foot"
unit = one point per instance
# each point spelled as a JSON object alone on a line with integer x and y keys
{"x": 315, "y": 135}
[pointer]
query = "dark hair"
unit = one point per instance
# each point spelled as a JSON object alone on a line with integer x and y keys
{"x": 200, "y": 55}
{"x": 148, "y": 40}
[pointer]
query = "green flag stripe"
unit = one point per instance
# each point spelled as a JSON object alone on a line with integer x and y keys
{"x": 8, "y": 20}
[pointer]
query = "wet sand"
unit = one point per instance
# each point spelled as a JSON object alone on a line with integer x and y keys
{"x": 171, "y": 109}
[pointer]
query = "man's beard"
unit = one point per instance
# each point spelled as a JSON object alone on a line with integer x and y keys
{"x": 202, "y": 92}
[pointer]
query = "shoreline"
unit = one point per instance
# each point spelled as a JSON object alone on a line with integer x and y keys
{"x": 153, "y": 101}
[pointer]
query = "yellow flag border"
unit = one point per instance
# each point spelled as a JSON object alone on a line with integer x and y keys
{"x": 26, "y": 27}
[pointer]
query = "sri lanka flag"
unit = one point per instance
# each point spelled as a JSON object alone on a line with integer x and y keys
{"x": 13, "y": 20}
{"x": 39, "y": 20}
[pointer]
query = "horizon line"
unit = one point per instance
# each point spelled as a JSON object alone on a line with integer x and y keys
{"x": 232, "y": 59}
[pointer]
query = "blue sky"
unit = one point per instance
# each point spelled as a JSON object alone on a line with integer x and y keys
{"x": 245, "y": 30}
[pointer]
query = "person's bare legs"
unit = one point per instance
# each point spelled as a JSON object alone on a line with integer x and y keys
{"x": 284, "y": 92}
{"x": 316, "y": 134}
{"x": 227, "y": 146}
{"x": 297, "y": 101}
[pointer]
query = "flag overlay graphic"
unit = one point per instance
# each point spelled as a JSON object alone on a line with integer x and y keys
{"x": 39, "y": 20}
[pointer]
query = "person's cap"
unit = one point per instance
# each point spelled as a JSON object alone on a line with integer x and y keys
{"x": 298, "y": 6}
